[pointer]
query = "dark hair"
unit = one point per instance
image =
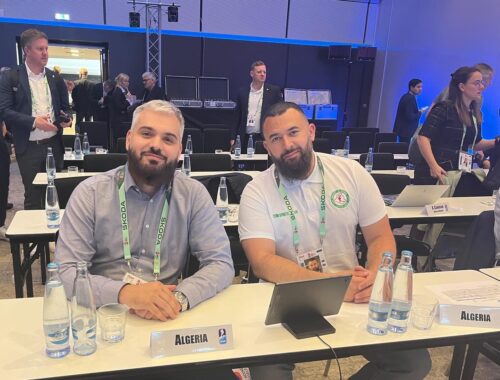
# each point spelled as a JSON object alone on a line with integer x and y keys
{"x": 483, "y": 67}
{"x": 30, "y": 35}
{"x": 462, "y": 75}
{"x": 279, "y": 109}
{"x": 256, "y": 63}
{"x": 413, "y": 83}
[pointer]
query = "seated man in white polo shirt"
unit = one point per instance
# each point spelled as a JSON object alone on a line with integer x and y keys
{"x": 308, "y": 205}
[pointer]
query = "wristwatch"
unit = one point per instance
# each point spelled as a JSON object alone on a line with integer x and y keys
{"x": 179, "y": 296}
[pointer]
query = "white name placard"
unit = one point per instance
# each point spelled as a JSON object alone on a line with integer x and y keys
{"x": 193, "y": 340}
{"x": 437, "y": 209}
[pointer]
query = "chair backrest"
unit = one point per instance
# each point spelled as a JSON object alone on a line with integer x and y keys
{"x": 381, "y": 161}
{"x": 206, "y": 162}
{"x": 259, "y": 147}
{"x": 69, "y": 141}
{"x": 216, "y": 138}
{"x": 348, "y": 130}
{"x": 103, "y": 162}
{"x": 321, "y": 145}
{"x": 97, "y": 132}
{"x": 336, "y": 138}
{"x": 393, "y": 147}
{"x": 383, "y": 137}
{"x": 389, "y": 184}
{"x": 65, "y": 187}
{"x": 360, "y": 142}
{"x": 235, "y": 182}
{"x": 196, "y": 138}
{"x": 120, "y": 146}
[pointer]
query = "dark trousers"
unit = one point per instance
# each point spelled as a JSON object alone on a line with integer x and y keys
{"x": 4, "y": 179}
{"x": 32, "y": 161}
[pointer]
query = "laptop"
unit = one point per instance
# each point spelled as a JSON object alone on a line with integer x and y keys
{"x": 417, "y": 196}
{"x": 301, "y": 305}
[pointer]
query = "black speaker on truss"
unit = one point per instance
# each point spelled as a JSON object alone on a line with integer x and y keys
{"x": 173, "y": 13}
{"x": 134, "y": 19}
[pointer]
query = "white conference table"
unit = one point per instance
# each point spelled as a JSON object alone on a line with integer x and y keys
{"x": 397, "y": 156}
{"x": 41, "y": 178}
{"x": 409, "y": 173}
{"x": 242, "y": 306}
{"x": 492, "y": 272}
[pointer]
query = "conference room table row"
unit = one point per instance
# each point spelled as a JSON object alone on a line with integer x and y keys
{"x": 29, "y": 230}
{"x": 244, "y": 307}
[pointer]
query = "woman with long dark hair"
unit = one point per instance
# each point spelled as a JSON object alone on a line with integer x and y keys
{"x": 452, "y": 128}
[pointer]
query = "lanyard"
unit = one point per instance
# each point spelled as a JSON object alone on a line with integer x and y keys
{"x": 258, "y": 103}
{"x": 474, "y": 121}
{"x": 124, "y": 221}
{"x": 293, "y": 219}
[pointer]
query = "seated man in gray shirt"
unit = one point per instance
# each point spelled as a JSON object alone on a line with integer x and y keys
{"x": 137, "y": 225}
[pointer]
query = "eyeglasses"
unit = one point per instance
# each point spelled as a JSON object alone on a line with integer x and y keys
{"x": 478, "y": 83}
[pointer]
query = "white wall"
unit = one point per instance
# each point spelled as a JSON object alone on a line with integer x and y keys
{"x": 430, "y": 39}
{"x": 314, "y": 20}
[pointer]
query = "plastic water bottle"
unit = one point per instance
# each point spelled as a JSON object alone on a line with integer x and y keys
{"x": 50, "y": 166}
{"x": 186, "y": 163}
{"x": 52, "y": 206}
{"x": 381, "y": 297}
{"x": 55, "y": 315}
{"x": 83, "y": 313}
{"x": 250, "y": 148}
{"x": 369, "y": 161}
{"x": 86, "y": 144}
{"x": 237, "y": 147}
{"x": 402, "y": 295}
{"x": 347, "y": 146}
{"x": 189, "y": 145}
{"x": 222, "y": 200}
{"x": 78, "y": 148}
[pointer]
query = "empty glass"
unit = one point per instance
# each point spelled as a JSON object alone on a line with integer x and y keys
{"x": 423, "y": 310}
{"x": 112, "y": 318}
{"x": 72, "y": 170}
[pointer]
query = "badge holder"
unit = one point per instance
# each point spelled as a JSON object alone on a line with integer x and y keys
{"x": 306, "y": 325}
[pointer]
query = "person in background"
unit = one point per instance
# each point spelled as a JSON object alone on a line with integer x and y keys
{"x": 57, "y": 69}
{"x": 101, "y": 97}
{"x": 279, "y": 247}
{"x": 121, "y": 99}
{"x": 151, "y": 89}
{"x": 252, "y": 103}
{"x": 34, "y": 105}
{"x": 408, "y": 113}
{"x": 82, "y": 97}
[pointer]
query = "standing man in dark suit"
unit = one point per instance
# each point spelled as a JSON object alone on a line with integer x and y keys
{"x": 151, "y": 90}
{"x": 82, "y": 97}
{"x": 101, "y": 95}
{"x": 33, "y": 104}
{"x": 408, "y": 113}
{"x": 252, "y": 103}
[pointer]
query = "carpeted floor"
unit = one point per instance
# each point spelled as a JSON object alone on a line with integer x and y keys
{"x": 441, "y": 357}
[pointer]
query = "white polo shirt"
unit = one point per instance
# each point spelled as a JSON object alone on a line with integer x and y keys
{"x": 352, "y": 198}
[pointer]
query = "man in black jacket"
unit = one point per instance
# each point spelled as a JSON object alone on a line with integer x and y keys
{"x": 252, "y": 103}
{"x": 82, "y": 97}
{"x": 33, "y": 104}
{"x": 408, "y": 113}
{"x": 151, "y": 90}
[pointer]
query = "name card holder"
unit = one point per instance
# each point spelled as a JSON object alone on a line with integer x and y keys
{"x": 192, "y": 340}
{"x": 437, "y": 209}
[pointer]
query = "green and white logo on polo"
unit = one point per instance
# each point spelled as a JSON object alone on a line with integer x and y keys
{"x": 340, "y": 198}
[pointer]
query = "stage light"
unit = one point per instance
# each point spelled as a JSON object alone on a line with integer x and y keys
{"x": 173, "y": 13}
{"x": 134, "y": 19}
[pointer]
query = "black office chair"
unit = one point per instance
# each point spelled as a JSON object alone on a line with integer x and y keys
{"x": 259, "y": 147}
{"x": 393, "y": 147}
{"x": 206, "y": 162}
{"x": 103, "y": 162}
{"x": 321, "y": 145}
{"x": 68, "y": 141}
{"x": 383, "y": 137}
{"x": 120, "y": 146}
{"x": 97, "y": 132}
{"x": 336, "y": 138}
{"x": 65, "y": 187}
{"x": 417, "y": 247}
{"x": 216, "y": 138}
{"x": 390, "y": 184}
{"x": 381, "y": 161}
{"x": 196, "y": 138}
{"x": 360, "y": 142}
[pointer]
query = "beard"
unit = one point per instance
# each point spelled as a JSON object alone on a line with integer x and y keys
{"x": 154, "y": 171}
{"x": 297, "y": 168}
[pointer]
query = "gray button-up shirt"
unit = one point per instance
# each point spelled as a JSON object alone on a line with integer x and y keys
{"x": 91, "y": 231}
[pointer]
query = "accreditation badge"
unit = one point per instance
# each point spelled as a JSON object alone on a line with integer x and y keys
{"x": 313, "y": 260}
{"x": 465, "y": 162}
{"x": 133, "y": 273}
{"x": 250, "y": 121}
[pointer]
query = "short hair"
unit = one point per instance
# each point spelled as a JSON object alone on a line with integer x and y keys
{"x": 279, "y": 109}
{"x": 161, "y": 106}
{"x": 4, "y": 68}
{"x": 413, "y": 83}
{"x": 84, "y": 71}
{"x": 149, "y": 75}
{"x": 256, "y": 63}
{"x": 121, "y": 77}
{"x": 483, "y": 67}
{"x": 30, "y": 35}
{"x": 57, "y": 69}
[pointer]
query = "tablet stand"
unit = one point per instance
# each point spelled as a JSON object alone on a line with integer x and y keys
{"x": 306, "y": 325}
